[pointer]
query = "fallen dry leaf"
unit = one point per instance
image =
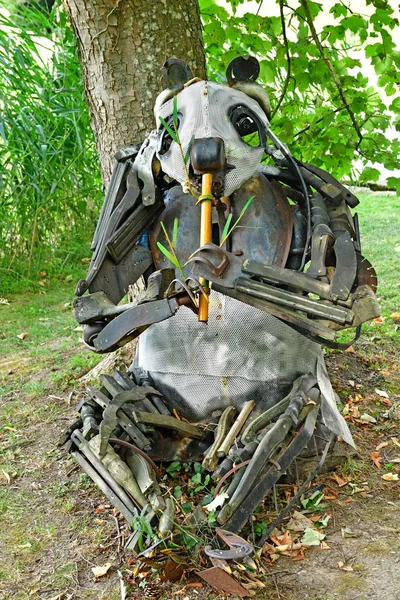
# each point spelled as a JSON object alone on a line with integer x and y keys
{"x": 381, "y": 393}
{"x": 350, "y": 350}
{"x": 395, "y": 441}
{"x": 378, "y": 321}
{"x": 382, "y": 445}
{"x": 312, "y": 537}
{"x": 366, "y": 418}
{"x": 390, "y": 477}
{"x": 172, "y": 571}
{"x": 299, "y": 522}
{"x": 6, "y": 475}
{"x": 343, "y": 567}
{"x": 23, "y": 335}
{"x": 395, "y": 317}
{"x": 340, "y": 480}
{"x": 101, "y": 571}
{"x": 376, "y": 459}
{"x": 324, "y": 546}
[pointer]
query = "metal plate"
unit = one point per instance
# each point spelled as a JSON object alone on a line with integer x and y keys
{"x": 264, "y": 234}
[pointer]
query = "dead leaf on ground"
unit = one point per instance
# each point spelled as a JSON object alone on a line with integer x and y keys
{"x": 366, "y": 418}
{"x": 378, "y": 321}
{"x": 299, "y": 522}
{"x": 324, "y": 546}
{"x": 172, "y": 571}
{"x": 381, "y": 393}
{"x": 376, "y": 459}
{"x": 312, "y": 537}
{"x": 4, "y": 302}
{"x": 341, "y": 481}
{"x": 101, "y": 571}
{"x": 6, "y": 475}
{"x": 350, "y": 350}
{"x": 390, "y": 477}
{"x": 23, "y": 335}
{"x": 382, "y": 445}
{"x": 343, "y": 567}
{"x": 395, "y": 317}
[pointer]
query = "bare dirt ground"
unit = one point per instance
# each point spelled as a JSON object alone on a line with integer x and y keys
{"x": 55, "y": 526}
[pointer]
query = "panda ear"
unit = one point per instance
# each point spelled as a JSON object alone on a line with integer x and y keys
{"x": 242, "y": 68}
{"x": 175, "y": 73}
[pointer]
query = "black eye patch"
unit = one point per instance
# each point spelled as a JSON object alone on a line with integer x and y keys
{"x": 248, "y": 126}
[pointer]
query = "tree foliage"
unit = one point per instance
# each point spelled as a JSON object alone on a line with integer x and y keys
{"x": 324, "y": 107}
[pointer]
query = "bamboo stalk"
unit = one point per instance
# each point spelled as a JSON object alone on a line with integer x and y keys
{"x": 205, "y": 237}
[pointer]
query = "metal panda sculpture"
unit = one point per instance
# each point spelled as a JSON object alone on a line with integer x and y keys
{"x": 249, "y": 267}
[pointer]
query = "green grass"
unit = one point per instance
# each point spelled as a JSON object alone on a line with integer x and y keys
{"x": 379, "y": 216}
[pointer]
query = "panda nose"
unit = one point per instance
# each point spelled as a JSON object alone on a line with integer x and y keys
{"x": 207, "y": 155}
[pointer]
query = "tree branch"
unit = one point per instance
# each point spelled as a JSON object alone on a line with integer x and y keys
{"x": 331, "y": 70}
{"x": 288, "y": 59}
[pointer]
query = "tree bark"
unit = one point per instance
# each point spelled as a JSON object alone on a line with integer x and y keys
{"x": 123, "y": 44}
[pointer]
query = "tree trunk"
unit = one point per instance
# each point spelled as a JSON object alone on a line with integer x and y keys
{"x": 123, "y": 44}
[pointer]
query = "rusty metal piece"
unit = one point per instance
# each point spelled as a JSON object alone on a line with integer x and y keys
{"x": 238, "y": 547}
{"x": 236, "y": 428}
{"x": 132, "y": 322}
{"x": 291, "y": 300}
{"x": 182, "y": 427}
{"x": 217, "y": 270}
{"x": 366, "y": 274}
{"x": 184, "y": 286}
{"x": 222, "y": 582}
{"x": 211, "y": 460}
{"x": 346, "y": 266}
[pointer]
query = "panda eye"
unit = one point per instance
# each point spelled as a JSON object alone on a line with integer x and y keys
{"x": 248, "y": 126}
{"x": 166, "y": 139}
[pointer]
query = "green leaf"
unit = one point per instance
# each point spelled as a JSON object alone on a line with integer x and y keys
{"x": 177, "y": 492}
{"x": 189, "y": 149}
{"x": 175, "y": 112}
{"x": 173, "y": 468}
{"x": 169, "y": 255}
{"x": 168, "y": 128}
{"x": 369, "y": 174}
{"x": 226, "y": 227}
{"x": 175, "y": 232}
{"x": 196, "y": 479}
{"x": 187, "y": 507}
{"x": 395, "y": 106}
{"x": 245, "y": 207}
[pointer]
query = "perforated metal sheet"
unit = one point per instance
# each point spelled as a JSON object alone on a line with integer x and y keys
{"x": 242, "y": 354}
{"x": 203, "y": 109}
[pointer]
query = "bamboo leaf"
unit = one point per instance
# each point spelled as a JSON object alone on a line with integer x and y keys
{"x": 245, "y": 207}
{"x": 169, "y": 255}
{"x": 175, "y": 113}
{"x": 175, "y": 232}
{"x": 188, "y": 151}
{"x": 168, "y": 128}
{"x": 226, "y": 228}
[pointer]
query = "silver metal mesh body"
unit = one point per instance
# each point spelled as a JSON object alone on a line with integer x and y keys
{"x": 241, "y": 354}
{"x": 203, "y": 110}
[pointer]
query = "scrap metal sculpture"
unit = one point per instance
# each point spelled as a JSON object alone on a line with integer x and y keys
{"x": 250, "y": 267}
